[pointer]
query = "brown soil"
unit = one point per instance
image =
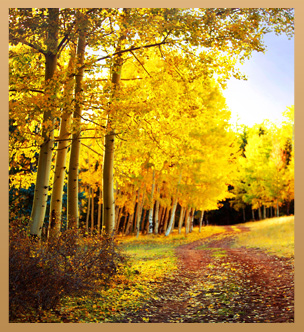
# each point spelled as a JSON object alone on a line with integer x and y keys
{"x": 216, "y": 283}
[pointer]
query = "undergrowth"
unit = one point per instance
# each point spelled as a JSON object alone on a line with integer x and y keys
{"x": 40, "y": 274}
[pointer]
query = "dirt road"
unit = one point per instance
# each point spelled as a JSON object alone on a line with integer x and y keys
{"x": 217, "y": 283}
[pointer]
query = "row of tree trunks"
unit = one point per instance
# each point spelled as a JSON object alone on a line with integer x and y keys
{"x": 164, "y": 217}
{"x": 264, "y": 214}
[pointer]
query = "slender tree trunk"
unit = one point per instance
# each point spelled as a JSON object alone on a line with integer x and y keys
{"x": 60, "y": 166}
{"x": 252, "y": 210}
{"x": 145, "y": 224}
{"x": 131, "y": 217}
{"x": 187, "y": 220}
{"x": 244, "y": 215}
{"x": 99, "y": 212}
{"x": 125, "y": 223}
{"x": 88, "y": 212}
{"x": 152, "y": 205}
{"x": 181, "y": 219}
{"x": 278, "y": 211}
{"x": 156, "y": 214}
{"x": 192, "y": 220}
{"x": 264, "y": 211}
{"x": 118, "y": 220}
{"x": 174, "y": 205}
{"x": 117, "y": 208}
{"x": 129, "y": 224}
{"x": 166, "y": 219}
{"x": 201, "y": 220}
{"x": 157, "y": 225}
{"x": 108, "y": 212}
{"x": 108, "y": 185}
{"x": 73, "y": 213}
{"x": 271, "y": 211}
{"x": 92, "y": 213}
{"x": 172, "y": 218}
{"x": 161, "y": 220}
{"x": 140, "y": 207}
{"x": 46, "y": 149}
{"x": 260, "y": 213}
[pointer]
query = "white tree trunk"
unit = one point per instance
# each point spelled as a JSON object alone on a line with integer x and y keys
{"x": 139, "y": 207}
{"x": 62, "y": 148}
{"x": 192, "y": 220}
{"x": 201, "y": 220}
{"x": 73, "y": 214}
{"x": 150, "y": 218}
{"x": 88, "y": 212}
{"x": 46, "y": 149}
{"x": 156, "y": 214}
{"x": 172, "y": 218}
{"x": 187, "y": 220}
{"x": 181, "y": 219}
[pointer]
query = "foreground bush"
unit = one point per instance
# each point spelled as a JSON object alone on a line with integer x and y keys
{"x": 41, "y": 273}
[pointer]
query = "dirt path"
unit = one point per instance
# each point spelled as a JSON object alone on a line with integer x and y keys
{"x": 216, "y": 283}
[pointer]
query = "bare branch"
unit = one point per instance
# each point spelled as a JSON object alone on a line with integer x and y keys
{"x": 140, "y": 63}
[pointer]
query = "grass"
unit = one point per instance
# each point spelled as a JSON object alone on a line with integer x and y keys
{"x": 151, "y": 259}
{"x": 276, "y": 236}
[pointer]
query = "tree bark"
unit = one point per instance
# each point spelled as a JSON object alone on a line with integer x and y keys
{"x": 192, "y": 220}
{"x": 92, "y": 213}
{"x": 157, "y": 226}
{"x": 108, "y": 212}
{"x": 46, "y": 149}
{"x": 99, "y": 212}
{"x": 73, "y": 213}
{"x": 118, "y": 220}
{"x": 140, "y": 206}
{"x": 150, "y": 218}
{"x": 201, "y": 220}
{"x": 181, "y": 219}
{"x": 187, "y": 220}
{"x": 88, "y": 212}
{"x": 174, "y": 205}
{"x": 278, "y": 211}
{"x": 166, "y": 219}
{"x": 125, "y": 223}
{"x": 156, "y": 214}
{"x": 260, "y": 213}
{"x": 62, "y": 149}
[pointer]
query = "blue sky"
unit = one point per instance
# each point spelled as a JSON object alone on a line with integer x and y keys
{"x": 270, "y": 85}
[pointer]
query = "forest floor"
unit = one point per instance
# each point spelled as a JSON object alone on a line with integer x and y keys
{"x": 217, "y": 283}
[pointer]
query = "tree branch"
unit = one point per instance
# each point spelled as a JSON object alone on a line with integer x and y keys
{"x": 140, "y": 63}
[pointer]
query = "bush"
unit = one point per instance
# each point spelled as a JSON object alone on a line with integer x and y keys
{"x": 41, "y": 273}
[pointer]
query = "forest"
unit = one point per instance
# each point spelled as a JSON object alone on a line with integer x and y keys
{"x": 119, "y": 131}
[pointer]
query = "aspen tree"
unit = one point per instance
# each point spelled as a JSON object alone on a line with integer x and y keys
{"x": 108, "y": 211}
{"x": 46, "y": 150}
{"x": 156, "y": 212}
{"x": 99, "y": 212}
{"x": 63, "y": 143}
{"x": 201, "y": 220}
{"x": 174, "y": 205}
{"x": 181, "y": 219}
{"x": 73, "y": 213}
{"x": 151, "y": 204}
